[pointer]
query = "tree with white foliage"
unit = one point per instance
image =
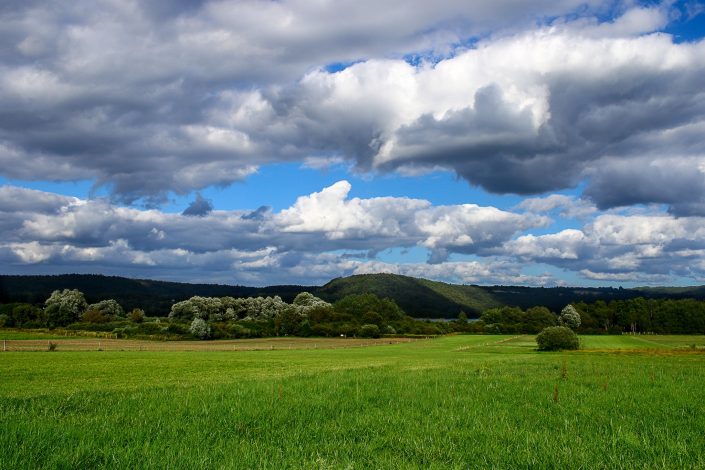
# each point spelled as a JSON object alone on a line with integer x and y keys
{"x": 207, "y": 308}
{"x": 108, "y": 307}
{"x": 272, "y": 307}
{"x": 200, "y": 329}
{"x": 569, "y": 317}
{"x": 263, "y": 308}
{"x": 232, "y": 308}
{"x": 305, "y": 302}
{"x": 184, "y": 310}
{"x": 65, "y": 307}
{"x": 229, "y": 308}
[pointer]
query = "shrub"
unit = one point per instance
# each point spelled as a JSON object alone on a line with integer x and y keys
{"x": 369, "y": 331}
{"x": 125, "y": 331}
{"x": 219, "y": 330}
{"x": 389, "y": 330}
{"x": 239, "y": 331}
{"x": 95, "y": 316}
{"x": 137, "y": 315}
{"x": 4, "y": 320}
{"x": 556, "y": 338}
{"x": 322, "y": 329}
{"x": 84, "y": 326}
{"x": 178, "y": 328}
{"x": 305, "y": 329}
{"x": 26, "y": 316}
{"x": 149, "y": 328}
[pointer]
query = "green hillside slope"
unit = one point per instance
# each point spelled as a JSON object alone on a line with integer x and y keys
{"x": 419, "y": 298}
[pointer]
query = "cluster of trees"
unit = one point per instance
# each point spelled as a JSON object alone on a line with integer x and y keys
{"x": 228, "y": 308}
{"x": 555, "y": 332}
{"x": 228, "y": 317}
{"x": 250, "y": 316}
{"x": 516, "y": 320}
{"x": 563, "y": 336}
{"x": 154, "y": 297}
{"x": 63, "y": 308}
{"x": 353, "y": 315}
{"x": 363, "y": 315}
{"x": 662, "y": 316}
{"x": 681, "y": 316}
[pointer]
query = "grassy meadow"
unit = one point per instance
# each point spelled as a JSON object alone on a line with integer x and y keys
{"x": 450, "y": 402}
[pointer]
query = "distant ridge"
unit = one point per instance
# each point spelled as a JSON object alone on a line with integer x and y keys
{"x": 155, "y": 297}
{"x": 420, "y": 298}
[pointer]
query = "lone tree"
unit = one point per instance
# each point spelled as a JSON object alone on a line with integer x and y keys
{"x": 556, "y": 338}
{"x": 65, "y": 307}
{"x": 570, "y": 317}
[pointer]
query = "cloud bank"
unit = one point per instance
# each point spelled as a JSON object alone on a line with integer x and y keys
{"x": 327, "y": 233}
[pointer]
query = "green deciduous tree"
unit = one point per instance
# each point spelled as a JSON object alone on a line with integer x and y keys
{"x": 462, "y": 318}
{"x": 538, "y": 318}
{"x": 27, "y": 316}
{"x": 358, "y": 305}
{"x": 94, "y": 316}
{"x": 136, "y": 315}
{"x": 108, "y": 307}
{"x": 289, "y": 321}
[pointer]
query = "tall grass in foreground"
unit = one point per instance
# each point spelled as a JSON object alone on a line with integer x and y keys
{"x": 450, "y": 403}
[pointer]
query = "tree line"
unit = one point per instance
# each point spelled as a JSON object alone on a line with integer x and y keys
{"x": 353, "y": 315}
{"x": 639, "y": 315}
{"x": 225, "y": 317}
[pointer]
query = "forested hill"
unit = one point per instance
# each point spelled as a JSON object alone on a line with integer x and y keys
{"x": 422, "y": 298}
{"x": 154, "y": 297}
{"x": 419, "y": 298}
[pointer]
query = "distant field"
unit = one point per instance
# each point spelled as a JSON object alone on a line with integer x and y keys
{"x": 643, "y": 341}
{"x": 11, "y": 334}
{"x": 451, "y": 402}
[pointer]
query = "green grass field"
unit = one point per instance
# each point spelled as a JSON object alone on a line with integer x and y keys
{"x": 451, "y": 402}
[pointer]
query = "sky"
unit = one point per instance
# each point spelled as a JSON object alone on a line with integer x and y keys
{"x": 291, "y": 142}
